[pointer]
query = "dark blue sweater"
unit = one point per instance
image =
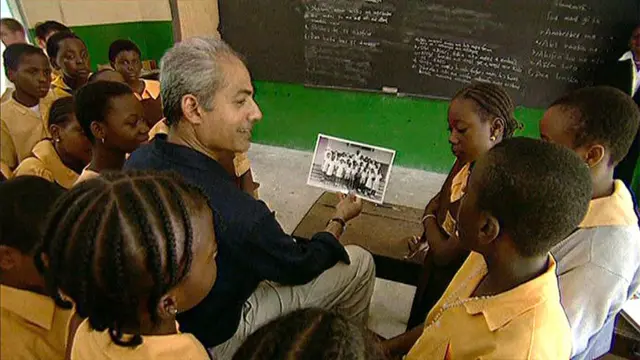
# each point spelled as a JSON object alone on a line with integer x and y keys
{"x": 252, "y": 246}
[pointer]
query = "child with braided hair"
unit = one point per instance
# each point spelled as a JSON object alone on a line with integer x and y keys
{"x": 132, "y": 250}
{"x": 480, "y": 116}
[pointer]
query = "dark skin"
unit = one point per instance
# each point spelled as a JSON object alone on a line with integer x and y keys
{"x": 634, "y": 44}
{"x": 129, "y": 65}
{"x": 470, "y": 137}
{"x": 32, "y": 79}
{"x": 73, "y": 62}
{"x": 122, "y": 131}
{"x": 558, "y": 126}
{"x": 71, "y": 144}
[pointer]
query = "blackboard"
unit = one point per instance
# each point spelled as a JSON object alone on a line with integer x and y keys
{"x": 536, "y": 49}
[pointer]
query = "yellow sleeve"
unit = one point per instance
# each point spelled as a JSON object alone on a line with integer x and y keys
{"x": 8, "y": 155}
{"x": 33, "y": 166}
{"x": 4, "y": 169}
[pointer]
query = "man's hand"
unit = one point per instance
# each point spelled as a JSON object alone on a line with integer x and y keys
{"x": 349, "y": 207}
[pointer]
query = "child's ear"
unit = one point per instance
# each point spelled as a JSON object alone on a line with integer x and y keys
{"x": 55, "y": 132}
{"x": 167, "y": 306}
{"x": 11, "y": 75}
{"x": 98, "y": 131}
{"x": 8, "y": 257}
{"x": 594, "y": 155}
{"x": 497, "y": 128}
{"x": 489, "y": 229}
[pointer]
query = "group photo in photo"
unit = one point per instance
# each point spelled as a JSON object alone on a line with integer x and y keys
{"x": 347, "y": 166}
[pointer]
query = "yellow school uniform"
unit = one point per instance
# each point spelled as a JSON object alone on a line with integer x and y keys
{"x": 32, "y": 326}
{"x": 22, "y": 129}
{"x": 46, "y": 163}
{"x": 526, "y": 322}
{"x": 89, "y": 344}
{"x": 151, "y": 90}
{"x": 241, "y": 161}
{"x": 458, "y": 189}
{"x": 614, "y": 210}
{"x": 86, "y": 175}
{"x": 60, "y": 88}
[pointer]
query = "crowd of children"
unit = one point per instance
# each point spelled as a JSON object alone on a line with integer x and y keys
{"x": 353, "y": 172}
{"x": 537, "y": 242}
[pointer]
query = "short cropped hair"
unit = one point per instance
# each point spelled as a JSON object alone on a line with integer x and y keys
{"x": 538, "y": 191}
{"x": 12, "y": 24}
{"x": 121, "y": 45}
{"x": 310, "y": 334}
{"x": 93, "y": 101}
{"x": 26, "y": 202}
{"x": 602, "y": 115}
{"x": 192, "y": 67}
{"x": 13, "y": 54}
{"x": 45, "y": 28}
{"x": 53, "y": 44}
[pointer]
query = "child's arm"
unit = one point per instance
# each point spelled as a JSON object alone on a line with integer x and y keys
{"x": 401, "y": 344}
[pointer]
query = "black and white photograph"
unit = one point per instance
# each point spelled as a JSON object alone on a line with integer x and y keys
{"x": 347, "y": 166}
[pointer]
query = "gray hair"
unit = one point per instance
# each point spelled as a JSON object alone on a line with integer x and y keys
{"x": 192, "y": 67}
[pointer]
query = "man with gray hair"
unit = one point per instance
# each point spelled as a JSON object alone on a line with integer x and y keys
{"x": 262, "y": 272}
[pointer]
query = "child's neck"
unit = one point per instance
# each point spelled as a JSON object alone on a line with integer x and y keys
{"x": 74, "y": 83}
{"x": 67, "y": 160}
{"x": 603, "y": 184}
{"x": 505, "y": 274}
{"x": 149, "y": 328}
{"x": 137, "y": 85}
{"x": 25, "y": 99}
{"x": 106, "y": 159}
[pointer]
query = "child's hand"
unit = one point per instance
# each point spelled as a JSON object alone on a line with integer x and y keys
{"x": 349, "y": 207}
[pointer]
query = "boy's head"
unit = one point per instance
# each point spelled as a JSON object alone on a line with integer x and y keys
{"x": 107, "y": 75}
{"x": 132, "y": 250}
{"x": 28, "y": 69}
{"x": 68, "y": 54}
{"x": 46, "y": 29}
{"x": 11, "y": 32}
{"x": 310, "y": 334}
{"x": 26, "y": 202}
{"x": 124, "y": 56}
{"x": 598, "y": 123}
{"x": 525, "y": 194}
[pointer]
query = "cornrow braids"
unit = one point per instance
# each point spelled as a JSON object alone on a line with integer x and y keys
{"x": 310, "y": 334}
{"x": 493, "y": 102}
{"x": 117, "y": 240}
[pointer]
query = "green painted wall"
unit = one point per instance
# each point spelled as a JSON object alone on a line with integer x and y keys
{"x": 153, "y": 38}
{"x": 415, "y": 128}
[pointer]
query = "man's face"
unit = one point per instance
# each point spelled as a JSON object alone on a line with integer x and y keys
{"x": 10, "y": 37}
{"x": 229, "y": 125}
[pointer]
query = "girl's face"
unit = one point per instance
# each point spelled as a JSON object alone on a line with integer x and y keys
{"x": 72, "y": 140}
{"x": 73, "y": 59}
{"x": 470, "y": 136}
{"x": 124, "y": 127}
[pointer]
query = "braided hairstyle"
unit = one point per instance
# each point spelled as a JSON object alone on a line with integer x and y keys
{"x": 310, "y": 334}
{"x": 119, "y": 240}
{"x": 492, "y": 102}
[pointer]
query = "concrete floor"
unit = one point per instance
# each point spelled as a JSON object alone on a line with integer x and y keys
{"x": 282, "y": 174}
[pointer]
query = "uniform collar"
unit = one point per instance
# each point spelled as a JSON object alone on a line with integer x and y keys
{"x": 27, "y": 111}
{"x": 501, "y": 309}
{"x": 60, "y": 84}
{"x": 46, "y": 152}
{"x": 34, "y": 308}
{"x": 626, "y": 56}
{"x": 614, "y": 210}
{"x": 151, "y": 89}
{"x": 459, "y": 183}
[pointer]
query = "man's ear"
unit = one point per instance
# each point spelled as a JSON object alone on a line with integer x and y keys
{"x": 489, "y": 229}
{"x": 167, "y": 307}
{"x": 191, "y": 109}
{"x": 9, "y": 257}
{"x": 594, "y": 155}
